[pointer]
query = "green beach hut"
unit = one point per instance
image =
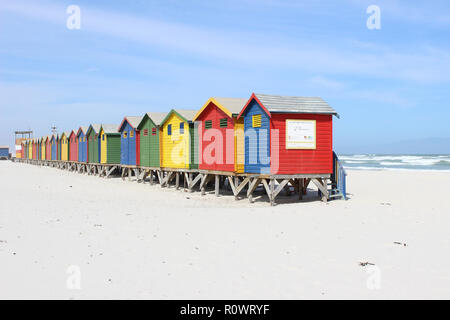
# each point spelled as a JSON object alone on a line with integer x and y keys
{"x": 109, "y": 144}
{"x": 149, "y": 136}
{"x": 93, "y": 143}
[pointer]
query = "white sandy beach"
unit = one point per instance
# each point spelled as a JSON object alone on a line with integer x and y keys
{"x": 130, "y": 240}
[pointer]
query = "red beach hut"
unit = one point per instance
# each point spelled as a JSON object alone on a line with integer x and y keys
{"x": 73, "y": 146}
{"x": 48, "y": 148}
{"x": 221, "y": 142}
{"x": 288, "y": 135}
{"x": 34, "y": 145}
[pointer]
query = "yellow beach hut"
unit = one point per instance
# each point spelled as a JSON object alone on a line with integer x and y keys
{"x": 179, "y": 140}
{"x": 64, "y": 146}
{"x": 43, "y": 142}
{"x": 30, "y": 149}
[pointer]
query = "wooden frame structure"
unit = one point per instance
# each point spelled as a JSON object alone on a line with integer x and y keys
{"x": 239, "y": 184}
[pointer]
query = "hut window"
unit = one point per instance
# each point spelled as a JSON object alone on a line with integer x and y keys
{"x": 125, "y": 134}
{"x": 153, "y": 131}
{"x": 169, "y": 130}
{"x": 145, "y": 132}
{"x": 223, "y": 122}
{"x": 131, "y": 133}
{"x": 256, "y": 121}
{"x": 103, "y": 137}
{"x": 181, "y": 127}
{"x": 208, "y": 124}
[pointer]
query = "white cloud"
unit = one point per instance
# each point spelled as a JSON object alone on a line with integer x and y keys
{"x": 418, "y": 64}
{"x": 326, "y": 83}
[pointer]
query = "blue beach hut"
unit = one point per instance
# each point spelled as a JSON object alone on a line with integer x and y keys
{"x": 54, "y": 146}
{"x": 82, "y": 144}
{"x": 130, "y": 141}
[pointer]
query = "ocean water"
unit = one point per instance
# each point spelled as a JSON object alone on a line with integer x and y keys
{"x": 439, "y": 162}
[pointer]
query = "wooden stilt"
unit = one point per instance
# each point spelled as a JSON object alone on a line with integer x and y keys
{"x": 111, "y": 170}
{"x": 287, "y": 188}
{"x": 300, "y": 188}
{"x": 198, "y": 178}
{"x": 217, "y": 185}
{"x": 322, "y": 188}
{"x": 203, "y": 183}
{"x": 305, "y": 185}
{"x": 151, "y": 177}
{"x": 267, "y": 188}
{"x": 167, "y": 179}
{"x": 276, "y": 191}
{"x": 233, "y": 188}
{"x": 252, "y": 186}
{"x": 272, "y": 187}
{"x": 325, "y": 195}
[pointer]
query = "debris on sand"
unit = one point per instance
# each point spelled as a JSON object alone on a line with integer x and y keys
{"x": 385, "y": 203}
{"x": 363, "y": 264}
{"x": 400, "y": 243}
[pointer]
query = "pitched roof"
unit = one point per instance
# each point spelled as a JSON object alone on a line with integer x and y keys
{"x": 110, "y": 128}
{"x": 83, "y": 129}
{"x": 72, "y": 131}
{"x": 186, "y": 114}
{"x": 95, "y": 127}
{"x": 235, "y": 105}
{"x": 275, "y": 103}
{"x": 132, "y": 120}
{"x": 231, "y": 106}
{"x": 157, "y": 117}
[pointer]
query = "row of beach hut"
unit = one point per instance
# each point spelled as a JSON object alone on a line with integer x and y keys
{"x": 265, "y": 134}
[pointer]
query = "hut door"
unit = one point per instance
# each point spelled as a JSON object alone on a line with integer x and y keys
{"x": 124, "y": 147}
{"x": 132, "y": 147}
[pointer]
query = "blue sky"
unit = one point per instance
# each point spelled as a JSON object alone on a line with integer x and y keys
{"x": 130, "y": 57}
